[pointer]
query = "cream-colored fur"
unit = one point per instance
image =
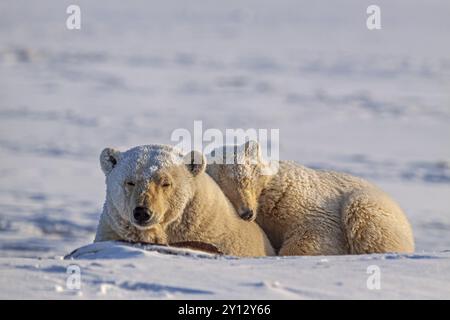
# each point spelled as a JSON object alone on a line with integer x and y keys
{"x": 185, "y": 203}
{"x": 313, "y": 212}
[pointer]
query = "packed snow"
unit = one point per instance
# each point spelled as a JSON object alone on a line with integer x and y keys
{"x": 375, "y": 104}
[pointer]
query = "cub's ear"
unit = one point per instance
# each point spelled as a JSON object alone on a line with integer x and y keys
{"x": 108, "y": 159}
{"x": 195, "y": 162}
{"x": 252, "y": 150}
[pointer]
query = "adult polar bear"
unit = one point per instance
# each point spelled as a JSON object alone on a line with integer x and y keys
{"x": 153, "y": 196}
{"x": 310, "y": 212}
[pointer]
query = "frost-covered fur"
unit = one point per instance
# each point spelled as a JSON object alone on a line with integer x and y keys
{"x": 184, "y": 202}
{"x": 312, "y": 212}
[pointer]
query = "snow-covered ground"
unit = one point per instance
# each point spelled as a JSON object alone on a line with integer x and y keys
{"x": 372, "y": 103}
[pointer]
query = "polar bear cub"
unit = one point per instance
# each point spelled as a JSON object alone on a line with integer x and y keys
{"x": 156, "y": 194}
{"x": 310, "y": 212}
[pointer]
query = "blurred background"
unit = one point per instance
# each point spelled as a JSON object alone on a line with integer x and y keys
{"x": 372, "y": 103}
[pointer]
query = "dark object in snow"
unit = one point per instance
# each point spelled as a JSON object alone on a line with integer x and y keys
{"x": 193, "y": 245}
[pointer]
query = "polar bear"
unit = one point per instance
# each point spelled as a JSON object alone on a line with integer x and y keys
{"x": 155, "y": 194}
{"x": 310, "y": 212}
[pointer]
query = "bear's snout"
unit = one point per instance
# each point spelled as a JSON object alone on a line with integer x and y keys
{"x": 141, "y": 215}
{"x": 247, "y": 215}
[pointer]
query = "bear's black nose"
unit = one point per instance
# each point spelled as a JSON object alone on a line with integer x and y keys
{"x": 247, "y": 215}
{"x": 141, "y": 215}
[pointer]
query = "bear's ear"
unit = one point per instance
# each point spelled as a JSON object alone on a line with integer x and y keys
{"x": 195, "y": 162}
{"x": 252, "y": 150}
{"x": 108, "y": 159}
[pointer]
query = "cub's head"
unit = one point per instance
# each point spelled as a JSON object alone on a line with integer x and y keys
{"x": 240, "y": 171}
{"x": 150, "y": 184}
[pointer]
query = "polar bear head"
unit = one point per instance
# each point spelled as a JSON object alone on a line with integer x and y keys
{"x": 151, "y": 184}
{"x": 241, "y": 173}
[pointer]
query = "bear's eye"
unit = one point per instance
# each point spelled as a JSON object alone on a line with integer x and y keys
{"x": 131, "y": 184}
{"x": 166, "y": 184}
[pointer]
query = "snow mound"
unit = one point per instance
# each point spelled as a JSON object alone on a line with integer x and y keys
{"x": 126, "y": 250}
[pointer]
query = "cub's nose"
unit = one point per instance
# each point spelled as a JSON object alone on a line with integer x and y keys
{"x": 141, "y": 215}
{"x": 247, "y": 215}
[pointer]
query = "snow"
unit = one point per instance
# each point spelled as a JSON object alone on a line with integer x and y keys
{"x": 110, "y": 270}
{"x": 372, "y": 103}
